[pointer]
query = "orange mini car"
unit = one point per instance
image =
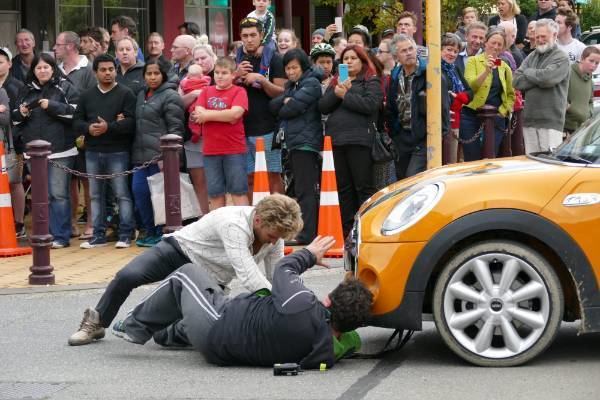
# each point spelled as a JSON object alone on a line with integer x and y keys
{"x": 499, "y": 251}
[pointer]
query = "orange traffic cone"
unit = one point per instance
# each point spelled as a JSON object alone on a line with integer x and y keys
{"x": 8, "y": 237}
{"x": 330, "y": 219}
{"x": 261, "y": 179}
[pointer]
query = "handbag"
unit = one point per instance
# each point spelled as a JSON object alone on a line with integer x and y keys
{"x": 383, "y": 149}
{"x": 189, "y": 202}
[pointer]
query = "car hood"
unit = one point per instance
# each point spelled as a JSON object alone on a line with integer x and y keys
{"x": 518, "y": 182}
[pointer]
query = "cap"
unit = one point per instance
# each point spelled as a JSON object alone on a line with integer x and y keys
{"x": 388, "y": 32}
{"x": 364, "y": 31}
{"x": 6, "y": 52}
{"x": 320, "y": 32}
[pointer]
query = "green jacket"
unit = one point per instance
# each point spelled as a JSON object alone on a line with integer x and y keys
{"x": 476, "y": 66}
{"x": 579, "y": 98}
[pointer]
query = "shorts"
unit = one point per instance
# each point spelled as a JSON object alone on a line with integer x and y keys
{"x": 226, "y": 174}
{"x": 273, "y": 156}
{"x": 193, "y": 155}
{"x": 15, "y": 172}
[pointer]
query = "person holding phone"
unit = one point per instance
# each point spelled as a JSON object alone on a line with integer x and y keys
{"x": 490, "y": 78}
{"x": 353, "y": 106}
{"x": 46, "y": 107}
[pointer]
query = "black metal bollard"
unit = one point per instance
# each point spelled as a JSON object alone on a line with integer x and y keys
{"x": 517, "y": 143}
{"x": 487, "y": 113}
{"x": 40, "y": 238}
{"x": 170, "y": 146}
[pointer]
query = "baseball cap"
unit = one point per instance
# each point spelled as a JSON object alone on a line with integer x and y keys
{"x": 6, "y": 52}
{"x": 388, "y": 32}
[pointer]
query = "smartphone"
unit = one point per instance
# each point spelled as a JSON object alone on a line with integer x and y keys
{"x": 33, "y": 104}
{"x": 342, "y": 72}
{"x": 338, "y": 24}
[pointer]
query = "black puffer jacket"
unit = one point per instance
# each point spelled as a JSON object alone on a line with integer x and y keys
{"x": 350, "y": 120}
{"x": 158, "y": 115}
{"x": 300, "y": 116}
{"x": 55, "y": 124}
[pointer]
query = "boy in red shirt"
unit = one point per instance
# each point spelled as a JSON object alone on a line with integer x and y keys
{"x": 220, "y": 110}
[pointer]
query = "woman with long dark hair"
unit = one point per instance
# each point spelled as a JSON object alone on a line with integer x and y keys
{"x": 46, "y": 107}
{"x": 159, "y": 111}
{"x": 353, "y": 108}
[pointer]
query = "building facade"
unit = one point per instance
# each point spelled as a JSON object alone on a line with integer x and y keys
{"x": 217, "y": 18}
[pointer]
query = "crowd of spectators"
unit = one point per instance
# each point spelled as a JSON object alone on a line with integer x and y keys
{"x": 105, "y": 113}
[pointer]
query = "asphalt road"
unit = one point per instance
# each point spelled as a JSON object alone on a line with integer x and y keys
{"x": 37, "y": 363}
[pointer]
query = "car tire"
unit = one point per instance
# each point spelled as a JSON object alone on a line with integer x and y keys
{"x": 501, "y": 318}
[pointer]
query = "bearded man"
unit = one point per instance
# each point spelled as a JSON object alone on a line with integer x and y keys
{"x": 544, "y": 80}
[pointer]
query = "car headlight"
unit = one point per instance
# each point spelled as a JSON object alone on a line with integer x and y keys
{"x": 412, "y": 208}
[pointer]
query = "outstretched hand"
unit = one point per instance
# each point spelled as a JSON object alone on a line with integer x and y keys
{"x": 319, "y": 247}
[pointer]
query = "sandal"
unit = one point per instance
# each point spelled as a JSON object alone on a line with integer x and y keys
{"x": 74, "y": 231}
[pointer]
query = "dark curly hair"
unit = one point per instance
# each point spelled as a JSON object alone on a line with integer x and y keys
{"x": 350, "y": 305}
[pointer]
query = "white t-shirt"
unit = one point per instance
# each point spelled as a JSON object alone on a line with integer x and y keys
{"x": 573, "y": 50}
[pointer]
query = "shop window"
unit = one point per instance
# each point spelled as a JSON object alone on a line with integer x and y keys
{"x": 136, "y": 9}
{"x": 74, "y": 15}
{"x": 214, "y": 18}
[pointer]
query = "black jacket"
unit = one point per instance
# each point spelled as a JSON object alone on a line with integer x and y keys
{"x": 55, "y": 124}
{"x": 133, "y": 78}
{"x": 160, "y": 114}
{"x": 418, "y": 110}
{"x": 350, "y": 120}
{"x": 521, "y": 21}
{"x": 13, "y": 88}
{"x": 93, "y": 104}
{"x": 300, "y": 117}
{"x": 291, "y": 325}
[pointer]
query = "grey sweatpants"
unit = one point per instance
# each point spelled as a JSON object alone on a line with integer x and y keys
{"x": 189, "y": 297}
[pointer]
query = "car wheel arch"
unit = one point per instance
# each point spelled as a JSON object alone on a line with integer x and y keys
{"x": 567, "y": 258}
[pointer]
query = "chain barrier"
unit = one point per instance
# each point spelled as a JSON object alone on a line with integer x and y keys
{"x": 80, "y": 174}
{"x": 18, "y": 163}
{"x": 472, "y": 139}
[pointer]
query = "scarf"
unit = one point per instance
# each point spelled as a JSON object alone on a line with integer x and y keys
{"x": 450, "y": 71}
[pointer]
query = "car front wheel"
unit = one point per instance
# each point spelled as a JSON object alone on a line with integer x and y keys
{"x": 498, "y": 304}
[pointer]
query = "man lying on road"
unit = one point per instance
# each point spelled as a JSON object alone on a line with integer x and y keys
{"x": 225, "y": 243}
{"x": 290, "y": 325}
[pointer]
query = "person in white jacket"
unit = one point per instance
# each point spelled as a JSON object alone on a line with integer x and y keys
{"x": 228, "y": 242}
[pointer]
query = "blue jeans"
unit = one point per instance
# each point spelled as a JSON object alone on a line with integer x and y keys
{"x": 226, "y": 174}
{"x": 470, "y": 124}
{"x": 60, "y": 199}
{"x": 110, "y": 163}
{"x": 142, "y": 199}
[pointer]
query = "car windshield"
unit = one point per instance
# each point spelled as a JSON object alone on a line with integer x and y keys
{"x": 584, "y": 145}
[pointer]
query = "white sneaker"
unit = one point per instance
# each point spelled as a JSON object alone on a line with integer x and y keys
{"x": 123, "y": 244}
{"x": 93, "y": 243}
{"x": 89, "y": 330}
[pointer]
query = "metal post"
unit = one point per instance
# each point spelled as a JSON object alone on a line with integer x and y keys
{"x": 488, "y": 113}
{"x": 517, "y": 143}
{"x": 340, "y": 9}
{"x": 434, "y": 86}
{"x": 40, "y": 238}
{"x": 287, "y": 14}
{"x": 170, "y": 146}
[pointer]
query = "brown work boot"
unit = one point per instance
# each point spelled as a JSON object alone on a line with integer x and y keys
{"x": 89, "y": 330}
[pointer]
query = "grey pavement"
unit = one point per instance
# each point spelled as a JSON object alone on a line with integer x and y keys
{"x": 37, "y": 363}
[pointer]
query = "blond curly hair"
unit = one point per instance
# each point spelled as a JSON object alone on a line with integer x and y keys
{"x": 281, "y": 213}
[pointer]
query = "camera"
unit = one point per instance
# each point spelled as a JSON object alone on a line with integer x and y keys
{"x": 286, "y": 369}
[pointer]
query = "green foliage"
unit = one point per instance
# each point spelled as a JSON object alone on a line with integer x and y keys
{"x": 590, "y": 15}
{"x": 376, "y": 14}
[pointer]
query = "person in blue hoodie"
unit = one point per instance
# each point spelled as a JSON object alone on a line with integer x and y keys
{"x": 406, "y": 108}
{"x": 300, "y": 125}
